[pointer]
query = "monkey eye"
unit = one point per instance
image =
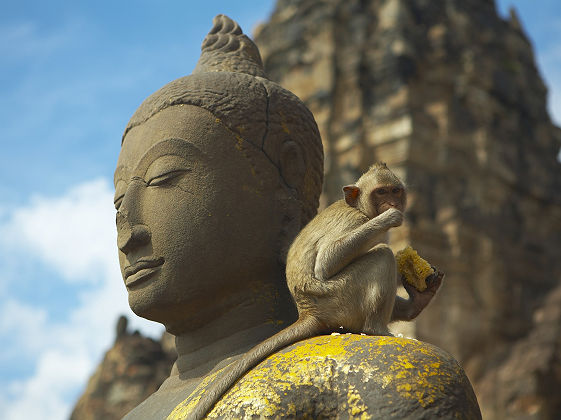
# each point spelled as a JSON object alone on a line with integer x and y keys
{"x": 396, "y": 190}
{"x": 381, "y": 191}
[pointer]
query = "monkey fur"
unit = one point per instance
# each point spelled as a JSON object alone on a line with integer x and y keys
{"x": 341, "y": 274}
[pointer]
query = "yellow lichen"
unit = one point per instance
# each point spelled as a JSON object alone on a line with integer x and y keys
{"x": 397, "y": 367}
{"x": 357, "y": 408}
{"x": 185, "y": 407}
{"x": 240, "y": 143}
{"x": 415, "y": 269}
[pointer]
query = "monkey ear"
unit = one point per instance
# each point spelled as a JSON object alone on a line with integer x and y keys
{"x": 351, "y": 194}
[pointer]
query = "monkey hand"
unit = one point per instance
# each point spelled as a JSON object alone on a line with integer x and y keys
{"x": 392, "y": 217}
{"x": 419, "y": 300}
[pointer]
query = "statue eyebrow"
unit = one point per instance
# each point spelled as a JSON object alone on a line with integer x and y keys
{"x": 171, "y": 146}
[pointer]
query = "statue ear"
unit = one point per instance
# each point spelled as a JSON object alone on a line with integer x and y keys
{"x": 351, "y": 194}
{"x": 292, "y": 170}
{"x": 292, "y": 165}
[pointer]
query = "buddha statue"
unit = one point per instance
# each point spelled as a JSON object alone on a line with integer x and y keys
{"x": 218, "y": 172}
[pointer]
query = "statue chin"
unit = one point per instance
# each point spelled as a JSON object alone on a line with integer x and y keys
{"x": 144, "y": 308}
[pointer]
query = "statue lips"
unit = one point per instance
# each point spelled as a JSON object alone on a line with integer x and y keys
{"x": 143, "y": 268}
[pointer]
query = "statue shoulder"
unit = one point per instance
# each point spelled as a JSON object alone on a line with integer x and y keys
{"x": 349, "y": 375}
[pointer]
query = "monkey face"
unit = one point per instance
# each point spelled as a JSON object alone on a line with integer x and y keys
{"x": 384, "y": 197}
{"x": 188, "y": 200}
{"x": 376, "y": 191}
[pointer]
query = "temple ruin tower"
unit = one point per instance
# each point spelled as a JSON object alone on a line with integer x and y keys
{"x": 449, "y": 95}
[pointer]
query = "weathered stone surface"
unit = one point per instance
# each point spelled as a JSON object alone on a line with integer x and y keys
{"x": 348, "y": 376}
{"x": 526, "y": 384}
{"x": 130, "y": 371}
{"x": 448, "y": 94}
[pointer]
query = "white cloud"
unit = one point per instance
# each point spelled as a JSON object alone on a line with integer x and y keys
{"x": 16, "y": 318}
{"x": 44, "y": 396}
{"x": 75, "y": 235}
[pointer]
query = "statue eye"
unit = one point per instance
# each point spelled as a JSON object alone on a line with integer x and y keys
{"x": 164, "y": 178}
{"x": 165, "y": 169}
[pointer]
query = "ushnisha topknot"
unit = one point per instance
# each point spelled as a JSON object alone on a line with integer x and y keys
{"x": 226, "y": 48}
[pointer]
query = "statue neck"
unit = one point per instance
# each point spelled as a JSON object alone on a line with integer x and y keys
{"x": 232, "y": 333}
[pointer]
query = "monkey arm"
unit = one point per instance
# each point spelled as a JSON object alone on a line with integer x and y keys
{"x": 405, "y": 309}
{"x": 333, "y": 256}
{"x": 408, "y": 309}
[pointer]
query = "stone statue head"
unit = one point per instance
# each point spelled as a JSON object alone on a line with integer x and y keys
{"x": 218, "y": 172}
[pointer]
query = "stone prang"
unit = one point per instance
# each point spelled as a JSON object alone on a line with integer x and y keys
{"x": 130, "y": 371}
{"x": 449, "y": 95}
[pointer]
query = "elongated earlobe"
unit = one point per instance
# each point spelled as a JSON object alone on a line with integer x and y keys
{"x": 292, "y": 164}
{"x": 351, "y": 194}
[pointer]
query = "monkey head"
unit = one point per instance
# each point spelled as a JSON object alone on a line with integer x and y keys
{"x": 376, "y": 191}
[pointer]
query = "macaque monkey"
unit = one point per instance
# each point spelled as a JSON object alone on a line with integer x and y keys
{"x": 341, "y": 275}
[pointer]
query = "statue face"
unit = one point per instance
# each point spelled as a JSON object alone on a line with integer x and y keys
{"x": 197, "y": 220}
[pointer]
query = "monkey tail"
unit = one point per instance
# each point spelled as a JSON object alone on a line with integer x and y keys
{"x": 303, "y": 328}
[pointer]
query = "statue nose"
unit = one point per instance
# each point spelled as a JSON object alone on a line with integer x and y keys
{"x": 130, "y": 236}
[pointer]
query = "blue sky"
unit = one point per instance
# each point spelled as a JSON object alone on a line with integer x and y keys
{"x": 72, "y": 74}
